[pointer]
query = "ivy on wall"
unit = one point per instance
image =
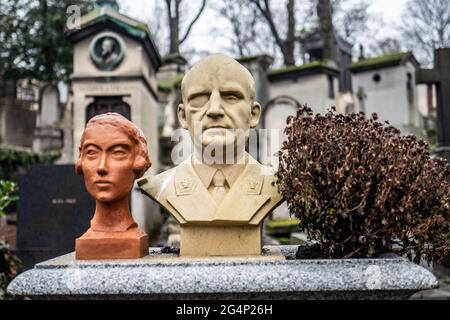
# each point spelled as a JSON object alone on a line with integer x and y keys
{"x": 14, "y": 160}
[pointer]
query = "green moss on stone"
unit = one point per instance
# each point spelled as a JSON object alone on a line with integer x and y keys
{"x": 379, "y": 61}
{"x": 169, "y": 86}
{"x": 284, "y": 240}
{"x": 250, "y": 58}
{"x": 143, "y": 27}
{"x": 164, "y": 87}
{"x": 272, "y": 224}
{"x": 139, "y": 30}
{"x": 302, "y": 67}
{"x": 177, "y": 81}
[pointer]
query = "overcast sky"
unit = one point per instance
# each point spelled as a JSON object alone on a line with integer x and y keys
{"x": 203, "y": 37}
{"x": 390, "y": 10}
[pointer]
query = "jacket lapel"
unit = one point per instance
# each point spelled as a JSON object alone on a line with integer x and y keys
{"x": 244, "y": 199}
{"x": 191, "y": 198}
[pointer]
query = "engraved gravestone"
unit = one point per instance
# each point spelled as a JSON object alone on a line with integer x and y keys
{"x": 49, "y": 110}
{"x": 54, "y": 209}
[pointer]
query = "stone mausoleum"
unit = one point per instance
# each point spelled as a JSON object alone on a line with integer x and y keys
{"x": 115, "y": 63}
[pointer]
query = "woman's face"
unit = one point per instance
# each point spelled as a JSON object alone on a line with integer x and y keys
{"x": 107, "y": 162}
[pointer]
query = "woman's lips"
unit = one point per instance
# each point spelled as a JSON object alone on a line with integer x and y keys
{"x": 103, "y": 183}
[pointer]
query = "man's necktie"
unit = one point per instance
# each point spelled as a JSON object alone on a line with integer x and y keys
{"x": 218, "y": 191}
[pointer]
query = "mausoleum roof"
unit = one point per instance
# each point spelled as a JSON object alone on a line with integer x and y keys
{"x": 316, "y": 67}
{"x": 255, "y": 57}
{"x": 103, "y": 17}
{"x": 384, "y": 61}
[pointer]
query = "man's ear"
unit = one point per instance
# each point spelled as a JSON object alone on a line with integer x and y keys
{"x": 255, "y": 114}
{"x": 181, "y": 112}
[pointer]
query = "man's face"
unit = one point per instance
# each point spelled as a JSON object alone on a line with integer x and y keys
{"x": 107, "y": 161}
{"x": 217, "y": 97}
{"x": 107, "y": 46}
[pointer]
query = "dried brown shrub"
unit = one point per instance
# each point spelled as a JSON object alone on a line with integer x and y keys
{"x": 360, "y": 189}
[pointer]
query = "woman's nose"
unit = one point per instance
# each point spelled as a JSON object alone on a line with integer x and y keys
{"x": 102, "y": 168}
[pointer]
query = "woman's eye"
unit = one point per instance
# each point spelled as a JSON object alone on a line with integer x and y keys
{"x": 91, "y": 152}
{"x": 119, "y": 152}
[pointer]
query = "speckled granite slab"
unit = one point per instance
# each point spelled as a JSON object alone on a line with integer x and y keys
{"x": 275, "y": 275}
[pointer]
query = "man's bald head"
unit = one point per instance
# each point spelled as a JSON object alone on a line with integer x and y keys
{"x": 219, "y": 66}
{"x": 218, "y": 94}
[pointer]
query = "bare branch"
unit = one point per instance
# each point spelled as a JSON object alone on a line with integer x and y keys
{"x": 426, "y": 26}
{"x": 188, "y": 30}
{"x": 250, "y": 31}
{"x": 267, "y": 14}
{"x": 169, "y": 8}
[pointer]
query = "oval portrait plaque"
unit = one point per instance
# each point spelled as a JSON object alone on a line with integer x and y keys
{"x": 107, "y": 51}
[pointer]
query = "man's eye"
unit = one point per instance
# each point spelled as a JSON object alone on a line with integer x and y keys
{"x": 229, "y": 97}
{"x": 199, "y": 101}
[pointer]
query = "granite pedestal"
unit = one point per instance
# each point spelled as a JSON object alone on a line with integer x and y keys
{"x": 275, "y": 275}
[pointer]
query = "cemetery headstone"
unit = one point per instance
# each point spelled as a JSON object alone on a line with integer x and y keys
{"x": 49, "y": 110}
{"x": 54, "y": 208}
{"x": 48, "y": 134}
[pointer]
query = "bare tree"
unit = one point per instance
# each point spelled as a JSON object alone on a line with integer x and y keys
{"x": 353, "y": 22}
{"x": 174, "y": 16}
{"x": 286, "y": 21}
{"x": 159, "y": 27}
{"x": 350, "y": 19}
{"x": 324, "y": 12}
{"x": 287, "y": 42}
{"x": 243, "y": 21}
{"x": 426, "y": 26}
{"x": 249, "y": 32}
{"x": 385, "y": 46}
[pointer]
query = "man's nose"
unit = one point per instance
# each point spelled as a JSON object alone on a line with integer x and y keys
{"x": 102, "y": 168}
{"x": 215, "y": 108}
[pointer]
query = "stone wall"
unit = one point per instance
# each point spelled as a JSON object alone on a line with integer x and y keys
{"x": 388, "y": 97}
{"x": 312, "y": 90}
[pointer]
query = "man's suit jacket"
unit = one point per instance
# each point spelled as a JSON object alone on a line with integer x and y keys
{"x": 180, "y": 191}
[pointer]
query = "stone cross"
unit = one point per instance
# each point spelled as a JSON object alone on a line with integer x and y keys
{"x": 362, "y": 96}
{"x": 440, "y": 76}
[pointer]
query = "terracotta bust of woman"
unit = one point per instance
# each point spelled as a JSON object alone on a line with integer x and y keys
{"x": 113, "y": 153}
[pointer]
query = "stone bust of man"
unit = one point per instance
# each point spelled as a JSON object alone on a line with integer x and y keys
{"x": 113, "y": 153}
{"x": 220, "y": 194}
